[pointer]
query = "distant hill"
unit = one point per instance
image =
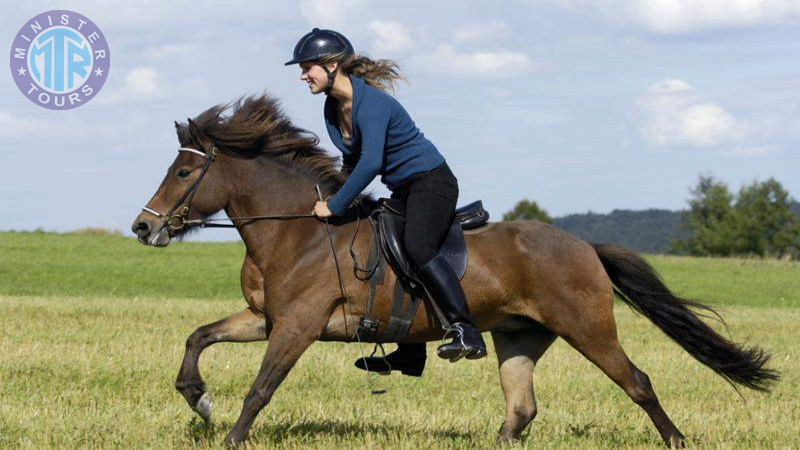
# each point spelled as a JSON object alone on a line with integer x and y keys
{"x": 648, "y": 231}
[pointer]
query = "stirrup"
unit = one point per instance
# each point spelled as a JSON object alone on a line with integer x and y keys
{"x": 458, "y": 348}
{"x": 380, "y": 365}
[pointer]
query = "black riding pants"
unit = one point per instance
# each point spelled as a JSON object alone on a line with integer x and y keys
{"x": 430, "y": 200}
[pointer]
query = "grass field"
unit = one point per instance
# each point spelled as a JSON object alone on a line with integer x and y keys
{"x": 92, "y": 331}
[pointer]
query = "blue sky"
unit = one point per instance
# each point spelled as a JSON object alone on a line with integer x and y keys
{"x": 578, "y": 105}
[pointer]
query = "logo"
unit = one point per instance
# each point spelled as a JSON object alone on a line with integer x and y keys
{"x": 60, "y": 59}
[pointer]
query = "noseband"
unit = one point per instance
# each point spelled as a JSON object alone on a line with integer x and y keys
{"x": 174, "y": 221}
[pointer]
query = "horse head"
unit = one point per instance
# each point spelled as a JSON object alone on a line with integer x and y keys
{"x": 193, "y": 188}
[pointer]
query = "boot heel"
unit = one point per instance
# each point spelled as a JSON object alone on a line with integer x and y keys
{"x": 477, "y": 354}
{"x": 451, "y": 354}
{"x": 412, "y": 371}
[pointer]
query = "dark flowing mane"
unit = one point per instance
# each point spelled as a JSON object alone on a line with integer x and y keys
{"x": 256, "y": 125}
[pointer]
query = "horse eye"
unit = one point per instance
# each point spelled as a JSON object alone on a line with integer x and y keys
{"x": 183, "y": 173}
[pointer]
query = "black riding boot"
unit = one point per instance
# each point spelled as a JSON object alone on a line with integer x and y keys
{"x": 444, "y": 286}
{"x": 409, "y": 359}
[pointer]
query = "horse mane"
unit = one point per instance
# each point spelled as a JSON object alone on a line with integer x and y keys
{"x": 256, "y": 125}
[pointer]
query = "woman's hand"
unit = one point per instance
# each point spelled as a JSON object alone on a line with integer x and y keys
{"x": 321, "y": 210}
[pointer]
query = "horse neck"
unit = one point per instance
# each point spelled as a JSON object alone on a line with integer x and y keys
{"x": 261, "y": 186}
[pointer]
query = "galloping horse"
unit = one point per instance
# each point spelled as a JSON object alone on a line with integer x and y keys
{"x": 527, "y": 282}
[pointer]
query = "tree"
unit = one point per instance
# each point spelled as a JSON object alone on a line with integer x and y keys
{"x": 758, "y": 221}
{"x": 527, "y": 210}
{"x": 708, "y": 219}
{"x": 764, "y": 222}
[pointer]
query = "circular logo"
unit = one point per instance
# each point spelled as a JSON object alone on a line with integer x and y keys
{"x": 60, "y": 59}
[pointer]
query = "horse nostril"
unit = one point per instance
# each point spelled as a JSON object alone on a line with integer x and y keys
{"x": 141, "y": 228}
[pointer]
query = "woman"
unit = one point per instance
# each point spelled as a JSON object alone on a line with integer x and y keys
{"x": 377, "y": 136}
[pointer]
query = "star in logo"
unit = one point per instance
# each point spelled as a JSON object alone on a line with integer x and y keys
{"x": 21, "y": 71}
{"x": 99, "y": 72}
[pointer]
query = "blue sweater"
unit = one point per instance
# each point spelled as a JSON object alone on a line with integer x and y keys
{"x": 385, "y": 141}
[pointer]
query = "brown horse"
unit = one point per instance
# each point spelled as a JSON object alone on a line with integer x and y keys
{"x": 527, "y": 282}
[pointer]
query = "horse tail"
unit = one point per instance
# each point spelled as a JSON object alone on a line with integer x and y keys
{"x": 641, "y": 288}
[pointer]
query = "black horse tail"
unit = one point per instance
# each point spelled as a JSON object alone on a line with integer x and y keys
{"x": 639, "y": 286}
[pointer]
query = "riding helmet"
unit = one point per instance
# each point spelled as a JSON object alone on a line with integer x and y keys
{"x": 318, "y": 44}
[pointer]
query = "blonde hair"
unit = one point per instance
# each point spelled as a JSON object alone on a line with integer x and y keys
{"x": 383, "y": 74}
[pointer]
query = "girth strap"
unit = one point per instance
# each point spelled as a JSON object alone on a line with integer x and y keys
{"x": 403, "y": 313}
{"x": 404, "y": 305}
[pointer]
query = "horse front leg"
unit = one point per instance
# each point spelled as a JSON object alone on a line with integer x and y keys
{"x": 289, "y": 338}
{"x": 244, "y": 326}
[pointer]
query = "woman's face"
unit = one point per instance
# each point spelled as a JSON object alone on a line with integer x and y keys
{"x": 315, "y": 76}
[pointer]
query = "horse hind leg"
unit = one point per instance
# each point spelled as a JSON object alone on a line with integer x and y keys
{"x": 595, "y": 336}
{"x": 244, "y": 326}
{"x": 517, "y": 354}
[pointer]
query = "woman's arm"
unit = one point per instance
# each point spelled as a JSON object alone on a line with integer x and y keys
{"x": 373, "y": 128}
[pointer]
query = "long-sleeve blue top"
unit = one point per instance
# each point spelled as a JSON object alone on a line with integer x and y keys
{"x": 385, "y": 141}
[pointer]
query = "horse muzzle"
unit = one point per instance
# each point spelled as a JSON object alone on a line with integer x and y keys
{"x": 154, "y": 233}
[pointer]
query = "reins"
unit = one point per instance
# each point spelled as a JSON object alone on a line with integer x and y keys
{"x": 178, "y": 221}
{"x": 346, "y": 301}
{"x": 210, "y": 223}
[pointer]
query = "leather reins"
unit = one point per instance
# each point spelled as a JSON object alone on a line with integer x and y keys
{"x": 175, "y": 222}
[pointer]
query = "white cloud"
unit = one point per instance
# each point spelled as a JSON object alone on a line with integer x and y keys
{"x": 329, "y": 13}
{"x": 392, "y": 36}
{"x": 177, "y": 14}
{"x": 489, "y": 31}
{"x": 670, "y": 85}
{"x": 707, "y": 124}
{"x": 143, "y": 80}
{"x": 682, "y": 16}
{"x": 498, "y": 64}
{"x": 148, "y": 83}
{"x": 672, "y": 114}
{"x": 17, "y": 126}
{"x": 47, "y": 128}
{"x": 172, "y": 51}
{"x": 676, "y": 16}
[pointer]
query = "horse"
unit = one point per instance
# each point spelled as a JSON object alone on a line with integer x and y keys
{"x": 527, "y": 282}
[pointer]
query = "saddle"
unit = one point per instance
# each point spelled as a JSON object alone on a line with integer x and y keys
{"x": 389, "y": 223}
{"x": 391, "y": 220}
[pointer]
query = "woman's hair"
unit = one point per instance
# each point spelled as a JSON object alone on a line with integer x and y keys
{"x": 382, "y": 74}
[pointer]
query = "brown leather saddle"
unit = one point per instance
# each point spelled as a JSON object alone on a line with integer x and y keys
{"x": 389, "y": 222}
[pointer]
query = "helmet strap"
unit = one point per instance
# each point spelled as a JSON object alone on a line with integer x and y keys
{"x": 331, "y": 76}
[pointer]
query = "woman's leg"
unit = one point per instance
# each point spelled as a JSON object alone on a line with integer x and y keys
{"x": 430, "y": 208}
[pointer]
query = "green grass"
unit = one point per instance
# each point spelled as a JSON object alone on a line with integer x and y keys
{"x": 81, "y": 265}
{"x": 92, "y": 330}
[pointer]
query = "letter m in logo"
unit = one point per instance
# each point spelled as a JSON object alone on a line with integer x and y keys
{"x": 19, "y": 53}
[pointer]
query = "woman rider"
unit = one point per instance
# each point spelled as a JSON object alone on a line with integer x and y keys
{"x": 376, "y": 136}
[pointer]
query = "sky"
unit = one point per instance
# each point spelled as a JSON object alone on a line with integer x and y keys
{"x": 579, "y": 105}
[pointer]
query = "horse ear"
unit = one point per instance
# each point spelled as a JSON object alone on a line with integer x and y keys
{"x": 177, "y": 125}
{"x": 194, "y": 130}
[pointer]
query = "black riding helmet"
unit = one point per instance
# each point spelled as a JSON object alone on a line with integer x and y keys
{"x": 318, "y": 44}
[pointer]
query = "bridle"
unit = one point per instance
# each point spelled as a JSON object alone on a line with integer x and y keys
{"x": 175, "y": 222}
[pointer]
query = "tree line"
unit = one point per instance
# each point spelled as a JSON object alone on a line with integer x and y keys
{"x": 759, "y": 219}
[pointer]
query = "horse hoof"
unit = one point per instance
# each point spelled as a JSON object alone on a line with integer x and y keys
{"x": 203, "y": 407}
{"x": 233, "y": 442}
{"x": 677, "y": 442}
